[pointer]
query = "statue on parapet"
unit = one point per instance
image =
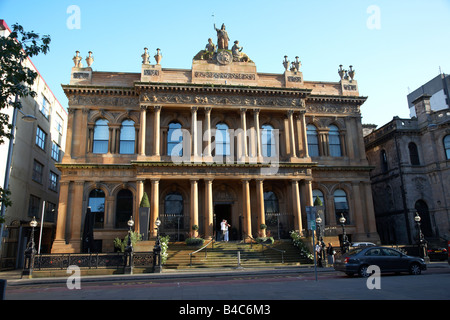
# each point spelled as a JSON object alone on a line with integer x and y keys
{"x": 222, "y": 37}
{"x": 238, "y": 55}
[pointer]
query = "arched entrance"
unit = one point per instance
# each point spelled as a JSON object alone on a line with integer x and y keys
{"x": 224, "y": 201}
{"x": 425, "y": 222}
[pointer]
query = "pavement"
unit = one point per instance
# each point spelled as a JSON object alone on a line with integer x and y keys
{"x": 14, "y": 277}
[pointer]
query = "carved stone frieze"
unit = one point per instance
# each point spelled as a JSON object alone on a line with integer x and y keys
{"x": 216, "y": 99}
{"x": 83, "y": 100}
{"x": 223, "y": 75}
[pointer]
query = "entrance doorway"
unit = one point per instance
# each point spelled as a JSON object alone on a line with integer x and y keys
{"x": 223, "y": 211}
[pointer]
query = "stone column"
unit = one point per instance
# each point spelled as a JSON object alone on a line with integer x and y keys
{"x": 77, "y": 216}
{"x": 60, "y": 237}
{"x": 243, "y": 140}
{"x": 194, "y": 207}
{"x": 156, "y": 133}
{"x": 194, "y": 138}
{"x": 290, "y": 114}
{"x": 296, "y": 206}
{"x": 208, "y": 131}
{"x": 69, "y": 135}
{"x": 260, "y": 206}
{"x": 142, "y": 130}
{"x": 154, "y": 211}
{"x": 369, "y": 209}
{"x": 209, "y": 211}
{"x": 246, "y": 211}
{"x": 357, "y": 212}
{"x": 137, "y": 203}
{"x": 303, "y": 136}
{"x": 258, "y": 134}
{"x": 309, "y": 194}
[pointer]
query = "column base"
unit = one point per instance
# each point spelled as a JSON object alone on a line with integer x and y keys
{"x": 60, "y": 246}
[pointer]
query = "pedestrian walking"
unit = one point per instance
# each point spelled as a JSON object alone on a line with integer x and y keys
{"x": 330, "y": 253}
{"x": 319, "y": 255}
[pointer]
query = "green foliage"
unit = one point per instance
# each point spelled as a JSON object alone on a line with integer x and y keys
{"x": 266, "y": 240}
{"x": 120, "y": 245}
{"x": 298, "y": 242}
{"x": 263, "y": 226}
{"x": 318, "y": 202}
{"x": 145, "y": 203}
{"x": 195, "y": 227}
{"x": 194, "y": 241}
{"x": 164, "y": 242}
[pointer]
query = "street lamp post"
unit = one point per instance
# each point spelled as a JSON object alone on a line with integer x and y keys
{"x": 129, "y": 250}
{"x": 421, "y": 243}
{"x": 30, "y": 252}
{"x": 157, "y": 268}
{"x": 344, "y": 235}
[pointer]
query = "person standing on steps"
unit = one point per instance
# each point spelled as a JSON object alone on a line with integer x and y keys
{"x": 226, "y": 236}
{"x": 223, "y": 229}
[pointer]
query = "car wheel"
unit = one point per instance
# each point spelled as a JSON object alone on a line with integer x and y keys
{"x": 415, "y": 269}
{"x": 363, "y": 271}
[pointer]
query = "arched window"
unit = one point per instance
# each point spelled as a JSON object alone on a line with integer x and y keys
{"x": 173, "y": 211}
{"x": 267, "y": 141}
{"x": 334, "y": 141}
{"x": 124, "y": 207}
{"x": 175, "y": 140}
{"x": 384, "y": 161}
{"x": 270, "y": 203}
{"x": 313, "y": 141}
{"x": 97, "y": 203}
{"x": 413, "y": 154}
{"x": 340, "y": 204}
{"x": 222, "y": 140}
{"x": 127, "y": 137}
{"x": 101, "y": 136}
{"x": 447, "y": 147}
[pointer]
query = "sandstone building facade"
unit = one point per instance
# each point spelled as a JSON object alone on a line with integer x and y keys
{"x": 411, "y": 159}
{"x": 217, "y": 141}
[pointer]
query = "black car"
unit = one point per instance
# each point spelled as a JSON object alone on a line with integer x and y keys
{"x": 387, "y": 259}
{"x": 438, "y": 254}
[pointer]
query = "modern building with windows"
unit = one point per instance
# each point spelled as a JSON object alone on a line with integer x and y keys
{"x": 33, "y": 175}
{"x": 217, "y": 141}
{"x": 411, "y": 159}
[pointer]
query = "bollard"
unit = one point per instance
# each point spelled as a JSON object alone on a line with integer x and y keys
{"x": 239, "y": 260}
{"x": 3, "y": 283}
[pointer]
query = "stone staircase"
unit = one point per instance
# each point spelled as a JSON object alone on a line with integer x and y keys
{"x": 225, "y": 255}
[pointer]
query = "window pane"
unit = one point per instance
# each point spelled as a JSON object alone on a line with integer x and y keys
{"x": 174, "y": 140}
{"x": 267, "y": 141}
{"x": 313, "y": 142}
{"x": 447, "y": 147}
{"x": 222, "y": 139}
{"x": 127, "y": 137}
{"x": 97, "y": 204}
{"x": 101, "y": 137}
{"x": 334, "y": 141}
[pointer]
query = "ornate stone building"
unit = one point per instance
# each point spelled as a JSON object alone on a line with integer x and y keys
{"x": 217, "y": 141}
{"x": 411, "y": 174}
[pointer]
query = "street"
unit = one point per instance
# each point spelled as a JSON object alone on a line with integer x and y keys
{"x": 433, "y": 284}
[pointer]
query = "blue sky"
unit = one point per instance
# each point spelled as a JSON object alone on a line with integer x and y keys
{"x": 393, "y": 45}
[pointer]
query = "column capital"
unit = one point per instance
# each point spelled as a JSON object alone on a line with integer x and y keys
{"x": 156, "y": 108}
{"x": 143, "y": 108}
{"x": 194, "y": 109}
{"x": 208, "y": 109}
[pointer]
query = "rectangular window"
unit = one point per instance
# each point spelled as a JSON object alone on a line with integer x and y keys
{"x": 38, "y": 170}
{"x": 55, "y": 151}
{"x": 41, "y": 136}
{"x": 50, "y": 212}
{"x": 33, "y": 206}
{"x": 44, "y": 108}
{"x": 59, "y": 124}
{"x": 53, "y": 181}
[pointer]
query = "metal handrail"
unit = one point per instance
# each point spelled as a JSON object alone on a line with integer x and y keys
{"x": 265, "y": 245}
{"x": 204, "y": 247}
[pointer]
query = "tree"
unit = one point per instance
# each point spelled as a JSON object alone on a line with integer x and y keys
{"x": 144, "y": 201}
{"x": 16, "y": 79}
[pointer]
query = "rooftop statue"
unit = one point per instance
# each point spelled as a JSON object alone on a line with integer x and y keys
{"x": 222, "y": 37}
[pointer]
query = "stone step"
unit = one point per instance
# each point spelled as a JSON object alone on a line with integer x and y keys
{"x": 225, "y": 254}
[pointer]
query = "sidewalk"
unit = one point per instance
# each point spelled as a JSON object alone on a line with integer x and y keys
{"x": 14, "y": 277}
